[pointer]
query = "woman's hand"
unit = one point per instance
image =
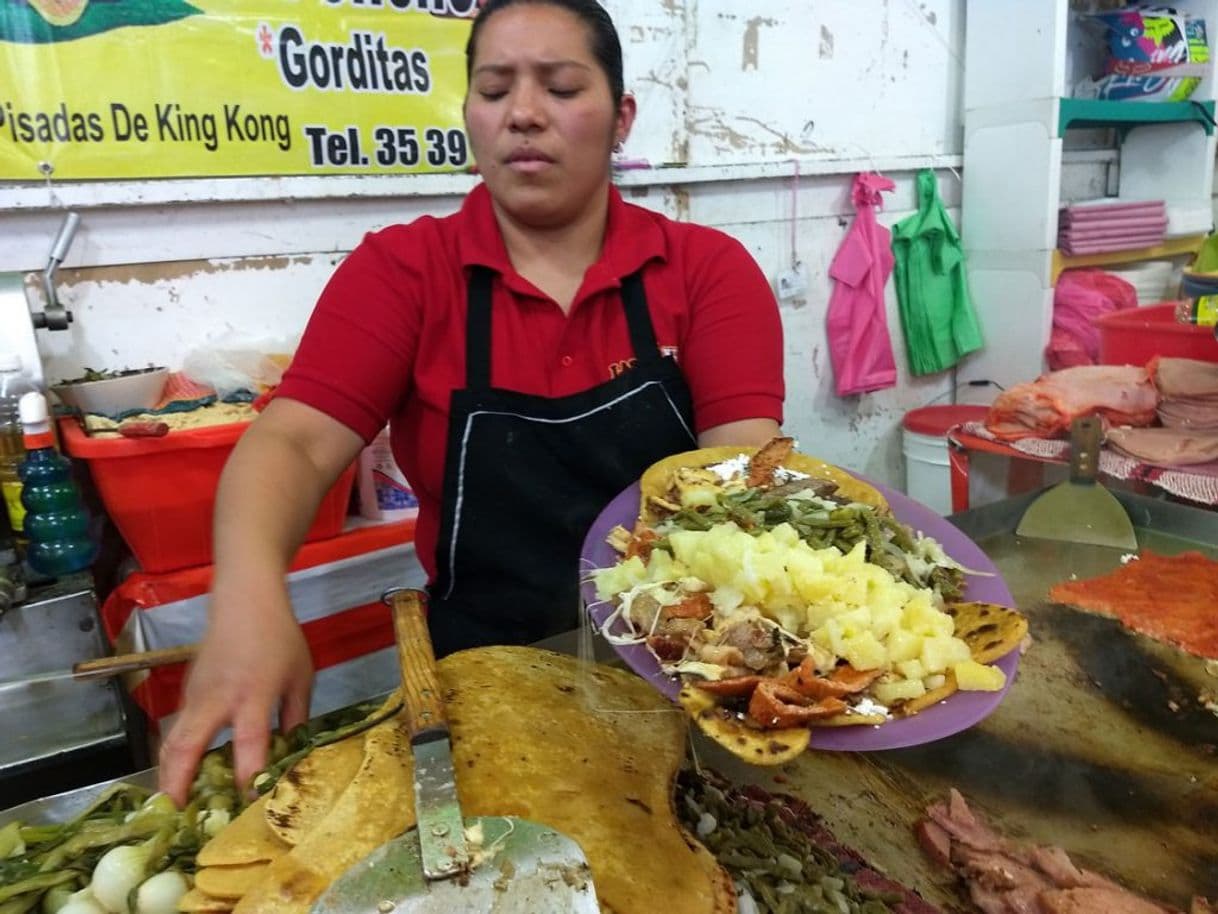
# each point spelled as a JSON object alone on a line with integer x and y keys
{"x": 253, "y": 660}
{"x": 252, "y": 663}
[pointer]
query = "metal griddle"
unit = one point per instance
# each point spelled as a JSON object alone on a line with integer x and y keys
{"x": 1101, "y": 746}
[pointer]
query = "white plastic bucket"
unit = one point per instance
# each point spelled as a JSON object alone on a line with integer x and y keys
{"x": 927, "y": 470}
{"x": 928, "y": 476}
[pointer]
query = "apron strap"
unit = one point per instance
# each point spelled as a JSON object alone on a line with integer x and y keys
{"x": 478, "y": 329}
{"x": 638, "y": 320}
{"x": 478, "y": 326}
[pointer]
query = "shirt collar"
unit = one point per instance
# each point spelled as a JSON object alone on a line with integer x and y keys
{"x": 632, "y": 237}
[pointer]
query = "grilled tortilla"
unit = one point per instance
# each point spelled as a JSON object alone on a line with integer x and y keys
{"x": 247, "y": 839}
{"x": 586, "y": 749}
{"x": 657, "y": 481}
{"x": 308, "y": 790}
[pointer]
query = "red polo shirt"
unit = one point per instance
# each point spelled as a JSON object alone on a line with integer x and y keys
{"x": 386, "y": 341}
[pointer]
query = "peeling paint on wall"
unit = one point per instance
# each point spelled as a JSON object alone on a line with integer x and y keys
{"x": 751, "y": 56}
{"x": 826, "y": 43}
{"x": 712, "y": 124}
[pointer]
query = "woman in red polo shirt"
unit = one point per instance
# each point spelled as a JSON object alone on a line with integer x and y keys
{"x": 533, "y": 353}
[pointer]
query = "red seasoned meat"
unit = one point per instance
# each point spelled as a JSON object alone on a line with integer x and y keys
{"x": 1121, "y": 394}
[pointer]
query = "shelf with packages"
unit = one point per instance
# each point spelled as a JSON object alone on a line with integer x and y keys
{"x": 1031, "y": 458}
{"x": 1020, "y": 74}
{"x": 1185, "y": 246}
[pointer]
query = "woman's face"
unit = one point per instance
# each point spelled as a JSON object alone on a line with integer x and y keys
{"x": 540, "y": 114}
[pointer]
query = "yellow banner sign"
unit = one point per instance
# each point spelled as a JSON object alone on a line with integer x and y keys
{"x": 170, "y": 88}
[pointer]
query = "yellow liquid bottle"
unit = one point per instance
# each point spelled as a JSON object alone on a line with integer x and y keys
{"x": 13, "y": 383}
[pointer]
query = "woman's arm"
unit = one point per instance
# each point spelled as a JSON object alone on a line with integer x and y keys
{"x": 744, "y": 432}
{"x": 253, "y": 660}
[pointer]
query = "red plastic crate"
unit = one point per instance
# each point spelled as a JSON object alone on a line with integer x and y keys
{"x": 1136, "y": 335}
{"x": 161, "y": 492}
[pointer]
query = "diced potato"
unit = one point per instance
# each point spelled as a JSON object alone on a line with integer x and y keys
{"x": 941, "y": 652}
{"x": 972, "y": 676}
{"x": 885, "y": 618}
{"x": 903, "y": 645}
{"x": 864, "y": 651}
{"x": 924, "y": 619}
{"x": 621, "y": 577}
{"x": 889, "y": 693}
{"x": 911, "y": 669}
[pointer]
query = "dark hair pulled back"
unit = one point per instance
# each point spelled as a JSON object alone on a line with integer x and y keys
{"x": 606, "y": 46}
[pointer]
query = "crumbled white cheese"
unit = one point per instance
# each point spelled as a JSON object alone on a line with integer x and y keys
{"x": 738, "y": 466}
{"x": 731, "y": 468}
{"x": 870, "y": 706}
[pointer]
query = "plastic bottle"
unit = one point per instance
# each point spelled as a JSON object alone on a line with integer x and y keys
{"x": 12, "y": 577}
{"x": 13, "y": 384}
{"x": 56, "y": 522}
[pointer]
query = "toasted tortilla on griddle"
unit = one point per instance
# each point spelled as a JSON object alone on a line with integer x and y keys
{"x": 531, "y": 738}
{"x": 196, "y": 901}
{"x": 373, "y": 808}
{"x": 1170, "y": 598}
{"x": 657, "y": 479}
{"x": 246, "y": 839}
{"x": 229, "y": 883}
{"x": 307, "y": 791}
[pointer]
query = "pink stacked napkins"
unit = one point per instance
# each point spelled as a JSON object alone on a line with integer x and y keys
{"x": 1098, "y": 227}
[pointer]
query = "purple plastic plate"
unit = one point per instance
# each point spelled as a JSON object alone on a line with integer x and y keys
{"x": 959, "y": 712}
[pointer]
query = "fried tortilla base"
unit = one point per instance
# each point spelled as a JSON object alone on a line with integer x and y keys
{"x": 590, "y": 751}
{"x": 990, "y": 631}
{"x": 656, "y": 479}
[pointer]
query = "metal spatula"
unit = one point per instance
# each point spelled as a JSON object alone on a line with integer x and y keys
{"x": 1080, "y": 510}
{"x": 515, "y": 866}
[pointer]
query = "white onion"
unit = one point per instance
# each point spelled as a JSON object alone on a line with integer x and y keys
{"x": 82, "y": 902}
{"x": 161, "y": 893}
{"x": 119, "y": 871}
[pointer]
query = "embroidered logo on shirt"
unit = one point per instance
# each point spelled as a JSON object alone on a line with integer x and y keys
{"x": 616, "y": 368}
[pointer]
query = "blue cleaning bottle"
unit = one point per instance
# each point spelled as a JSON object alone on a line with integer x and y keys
{"x": 56, "y": 521}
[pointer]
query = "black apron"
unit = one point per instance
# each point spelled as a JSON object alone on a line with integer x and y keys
{"x": 525, "y": 477}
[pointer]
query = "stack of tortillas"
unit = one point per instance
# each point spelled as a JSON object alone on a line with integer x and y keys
{"x": 588, "y": 750}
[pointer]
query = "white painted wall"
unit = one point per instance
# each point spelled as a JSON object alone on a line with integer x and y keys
{"x": 735, "y": 99}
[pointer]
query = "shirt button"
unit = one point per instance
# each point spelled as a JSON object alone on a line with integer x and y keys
{"x": 567, "y": 361}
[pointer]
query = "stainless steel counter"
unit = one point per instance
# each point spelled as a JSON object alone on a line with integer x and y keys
{"x": 56, "y": 627}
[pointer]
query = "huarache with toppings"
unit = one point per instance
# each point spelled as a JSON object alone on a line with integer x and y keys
{"x": 787, "y": 596}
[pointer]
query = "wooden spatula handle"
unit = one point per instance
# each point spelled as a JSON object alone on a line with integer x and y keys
{"x": 129, "y": 663}
{"x": 420, "y": 684}
{"x": 1086, "y": 434}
